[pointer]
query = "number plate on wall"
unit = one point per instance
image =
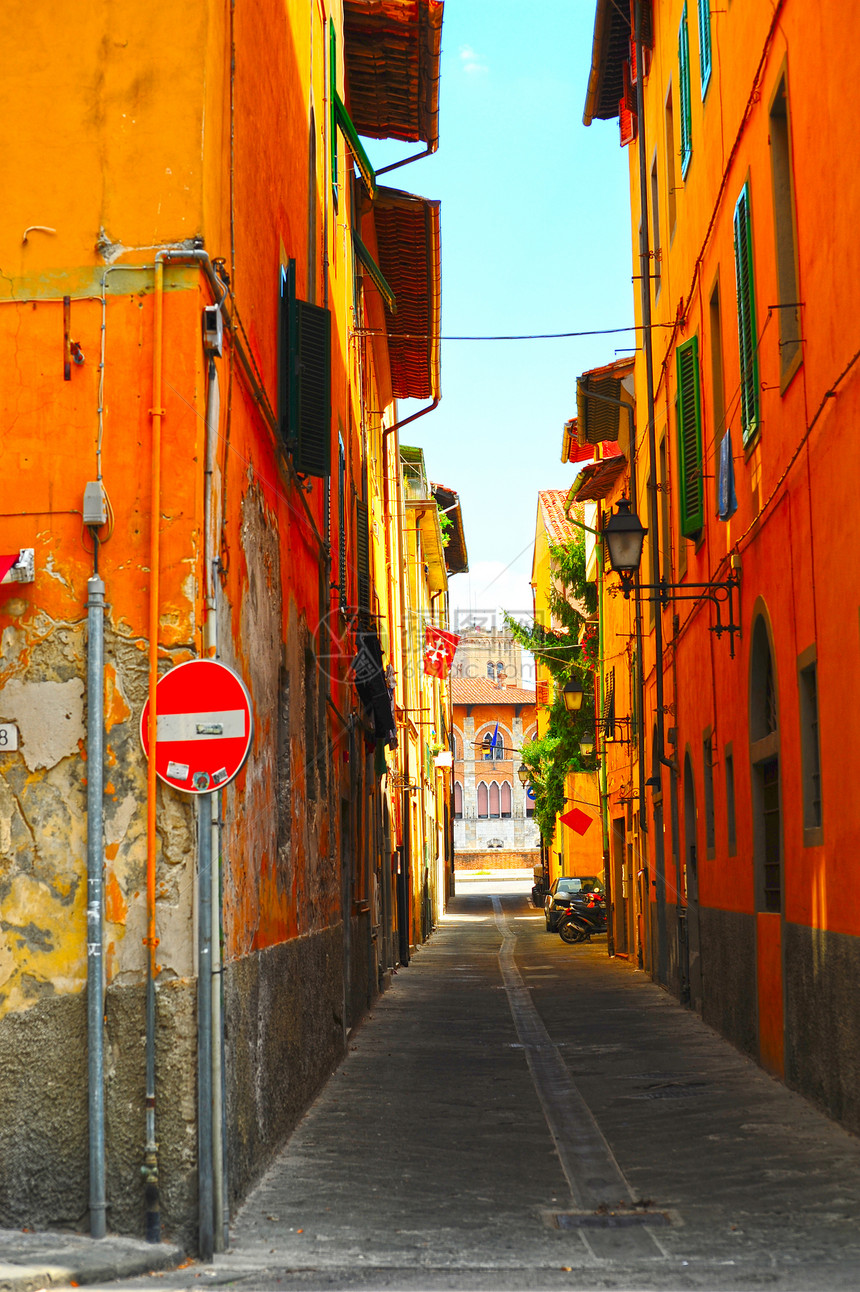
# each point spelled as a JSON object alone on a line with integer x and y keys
{"x": 8, "y": 737}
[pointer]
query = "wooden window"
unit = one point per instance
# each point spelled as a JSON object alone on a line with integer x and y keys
{"x": 710, "y": 827}
{"x": 362, "y": 557}
{"x": 655, "y": 231}
{"x": 458, "y": 801}
{"x": 304, "y": 378}
{"x": 506, "y": 799}
{"x": 341, "y": 525}
{"x": 704, "y": 44}
{"x": 764, "y": 757}
{"x": 810, "y": 746}
{"x": 731, "y": 819}
{"x": 495, "y": 808}
{"x": 671, "y": 204}
{"x": 788, "y": 313}
{"x": 690, "y": 437}
{"x": 718, "y": 389}
{"x": 684, "y": 91}
{"x": 483, "y": 801}
{"x": 747, "y": 335}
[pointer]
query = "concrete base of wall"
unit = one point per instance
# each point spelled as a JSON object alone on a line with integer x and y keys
{"x": 822, "y": 1023}
{"x": 44, "y": 1136}
{"x": 728, "y": 957}
{"x": 285, "y": 1031}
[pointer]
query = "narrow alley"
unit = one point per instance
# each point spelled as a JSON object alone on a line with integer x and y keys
{"x": 519, "y": 1113}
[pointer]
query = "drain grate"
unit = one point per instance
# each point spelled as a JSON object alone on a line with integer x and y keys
{"x": 668, "y": 1092}
{"x": 609, "y": 1219}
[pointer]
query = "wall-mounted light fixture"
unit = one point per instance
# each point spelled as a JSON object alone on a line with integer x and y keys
{"x": 523, "y": 774}
{"x": 572, "y": 695}
{"x": 625, "y": 536}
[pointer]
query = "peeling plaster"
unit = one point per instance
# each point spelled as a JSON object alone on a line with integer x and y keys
{"x": 50, "y": 716}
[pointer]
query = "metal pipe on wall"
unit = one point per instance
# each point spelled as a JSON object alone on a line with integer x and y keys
{"x": 206, "y": 1237}
{"x": 95, "y": 899}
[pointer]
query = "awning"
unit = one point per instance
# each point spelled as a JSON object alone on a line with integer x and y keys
{"x": 571, "y": 449}
{"x": 597, "y": 480}
{"x": 392, "y": 54}
{"x": 408, "y": 252}
{"x": 599, "y": 393}
{"x": 456, "y": 557}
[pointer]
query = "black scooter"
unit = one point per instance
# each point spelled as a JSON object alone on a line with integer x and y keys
{"x": 578, "y": 924}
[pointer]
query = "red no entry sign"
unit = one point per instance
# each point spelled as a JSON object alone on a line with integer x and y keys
{"x": 203, "y": 726}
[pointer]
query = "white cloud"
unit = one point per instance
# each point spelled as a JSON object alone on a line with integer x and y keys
{"x": 472, "y": 62}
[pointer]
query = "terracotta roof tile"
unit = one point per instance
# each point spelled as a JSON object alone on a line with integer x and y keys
{"x": 552, "y": 505}
{"x": 480, "y": 690}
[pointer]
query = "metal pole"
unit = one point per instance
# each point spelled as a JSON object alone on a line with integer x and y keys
{"x": 206, "y": 1239}
{"x": 95, "y": 900}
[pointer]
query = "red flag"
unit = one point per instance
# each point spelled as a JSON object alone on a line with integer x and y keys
{"x": 439, "y": 650}
{"x": 577, "y": 820}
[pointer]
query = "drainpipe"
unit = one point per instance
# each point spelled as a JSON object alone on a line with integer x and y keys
{"x": 645, "y": 299}
{"x": 95, "y": 896}
{"x": 206, "y": 1239}
{"x": 210, "y": 822}
{"x": 150, "y": 1162}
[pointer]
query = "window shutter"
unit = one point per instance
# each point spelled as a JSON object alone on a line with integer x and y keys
{"x": 311, "y": 439}
{"x": 704, "y": 43}
{"x": 684, "y": 85}
{"x": 286, "y": 347}
{"x": 609, "y": 705}
{"x": 747, "y": 338}
{"x": 362, "y": 556}
{"x": 690, "y": 437}
{"x": 333, "y": 137}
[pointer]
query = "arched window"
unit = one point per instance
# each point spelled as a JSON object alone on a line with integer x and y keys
{"x": 764, "y": 757}
{"x": 483, "y": 801}
{"x": 458, "y": 800}
{"x": 495, "y": 809}
{"x": 491, "y": 669}
{"x": 458, "y": 746}
{"x": 487, "y": 744}
{"x": 507, "y": 799}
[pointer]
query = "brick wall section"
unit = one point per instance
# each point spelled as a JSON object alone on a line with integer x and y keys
{"x": 497, "y": 859}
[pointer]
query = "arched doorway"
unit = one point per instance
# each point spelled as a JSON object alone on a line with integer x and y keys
{"x": 767, "y": 841}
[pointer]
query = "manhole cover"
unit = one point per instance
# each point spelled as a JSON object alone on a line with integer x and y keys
{"x": 609, "y": 1219}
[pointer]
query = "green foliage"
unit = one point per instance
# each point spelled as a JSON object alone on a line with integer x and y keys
{"x": 566, "y": 653}
{"x": 447, "y": 526}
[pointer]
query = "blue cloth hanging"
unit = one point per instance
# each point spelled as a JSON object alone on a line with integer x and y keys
{"x": 727, "y": 499}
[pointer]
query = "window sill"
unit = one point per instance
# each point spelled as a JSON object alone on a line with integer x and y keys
{"x": 813, "y": 836}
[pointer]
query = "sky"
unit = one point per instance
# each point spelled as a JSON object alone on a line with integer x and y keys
{"x": 535, "y": 239}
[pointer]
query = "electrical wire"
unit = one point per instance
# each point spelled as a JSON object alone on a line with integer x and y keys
{"x": 525, "y": 336}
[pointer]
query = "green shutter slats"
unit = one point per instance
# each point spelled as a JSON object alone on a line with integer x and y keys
{"x": 747, "y": 336}
{"x": 312, "y": 446}
{"x": 362, "y": 555}
{"x": 704, "y": 43}
{"x": 684, "y": 85}
{"x": 690, "y": 437}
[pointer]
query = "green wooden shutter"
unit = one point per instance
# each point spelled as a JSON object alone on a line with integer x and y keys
{"x": 311, "y": 438}
{"x": 341, "y": 524}
{"x": 362, "y": 556}
{"x": 747, "y": 336}
{"x": 704, "y": 43}
{"x": 690, "y": 437}
{"x": 684, "y": 86}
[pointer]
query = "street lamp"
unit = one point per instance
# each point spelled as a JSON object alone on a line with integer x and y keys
{"x": 586, "y": 746}
{"x": 572, "y": 695}
{"x": 624, "y": 535}
{"x": 523, "y": 774}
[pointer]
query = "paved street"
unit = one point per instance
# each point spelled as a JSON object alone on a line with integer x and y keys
{"x": 522, "y": 1114}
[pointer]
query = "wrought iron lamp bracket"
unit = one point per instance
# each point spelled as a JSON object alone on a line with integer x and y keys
{"x": 721, "y": 593}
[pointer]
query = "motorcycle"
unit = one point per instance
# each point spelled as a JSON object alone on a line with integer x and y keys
{"x": 582, "y": 920}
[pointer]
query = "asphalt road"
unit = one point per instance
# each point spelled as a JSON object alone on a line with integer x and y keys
{"x": 521, "y": 1114}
